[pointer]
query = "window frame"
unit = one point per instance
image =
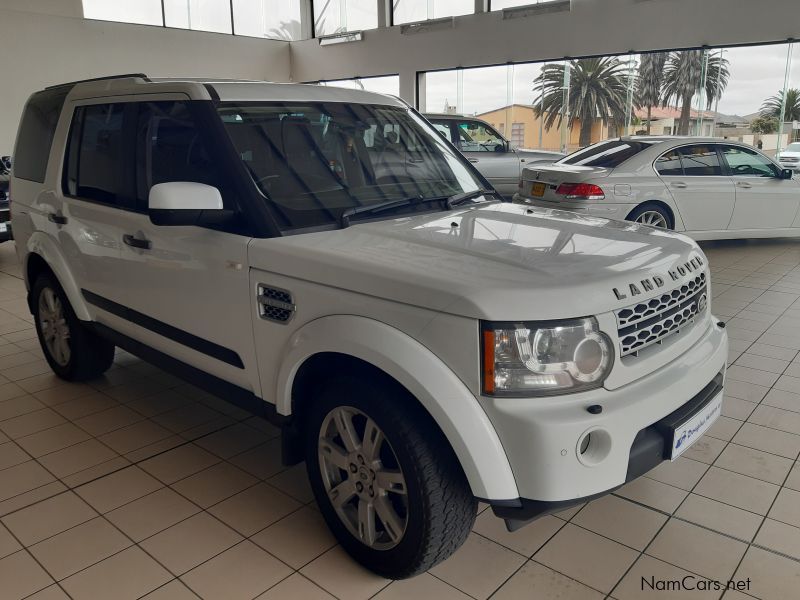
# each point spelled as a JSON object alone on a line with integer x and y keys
{"x": 776, "y": 170}
{"x": 680, "y": 149}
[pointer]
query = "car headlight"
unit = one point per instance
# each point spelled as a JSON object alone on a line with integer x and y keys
{"x": 541, "y": 359}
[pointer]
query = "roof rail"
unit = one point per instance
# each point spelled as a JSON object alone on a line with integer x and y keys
{"x": 123, "y": 76}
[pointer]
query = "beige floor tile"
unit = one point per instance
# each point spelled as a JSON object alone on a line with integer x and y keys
{"x": 232, "y": 440}
{"x": 254, "y": 509}
{"x": 684, "y": 473}
{"x": 697, "y": 549}
{"x": 787, "y": 507}
{"x": 769, "y": 440}
{"x": 780, "y": 537}
{"x": 653, "y": 493}
{"x": 63, "y": 392}
{"x": 174, "y": 590}
{"x": 84, "y": 406}
{"x": 763, "y": 363}
{"x": 49, "y": 517}
{"x": 108, "y": 420}
{"x": 738, "y": 490}
{"x": 31, "y": 422}
{"x": 132, "y": 437}
{"x": 340, "y": 575}
{"x": 788, "y": 384}
{"x": 591, "y": 559}
{"x": 736, "y": 408}
{"x": 569, "y": 513}
{"x": 28, "y": 370}
{"x": 97, "y": 471}
{"x": 705, "y": 450}
{"x": 77, "y": 548}
{"x": 159, "y": 403}
{"x": 724, "y": 428}
{"x": 720, "y": 517}
{"x": 295, "y": 586}
{"x": 534, "y": 580}
{"x": 124, "y": 576}
{"x": 422, "y": 586}
{"x": 77, "y": 458}
{"x": 11, "y": 454}
{"x": 25, "y": 499}
{"x": 621, "y": 520}
{"x": 191, "y": 542}
{"x": 793, "y": 481}
{"x": 263, "y": 461}
{"x": 298, "y": 538}
{"x": 772, "y": 577}
{"x": 782, "y": 399}
{"x": 49, "y": 593}
{"x": 21, "y": 576}
{"x": 214, "y": 484}
{"x": 10, "y": 390}
{"x": 754, "y": 463}
{"x": 151, "y": 514}
{"x": 526, "y": 541}
{"x": 647, "y": 577}
{"x": 745, "y": 390}
{"x": 116, "y": 489}
{"x": 18, "y": 406}
{"x": 52, "y": 440}
{"x": 772, "y": 351}
{"x": 248, "y": 571}
{"x": 155, "y": 449}
{"x": 8, "y": 545}
{"x": 185, "y": 417}
{"x": 776, "y": 418}
{"x": 294, "y": 481}
{"x": 179, "y": 463}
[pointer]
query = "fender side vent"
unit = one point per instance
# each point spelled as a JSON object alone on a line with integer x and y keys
{"x": 275, "y": 304}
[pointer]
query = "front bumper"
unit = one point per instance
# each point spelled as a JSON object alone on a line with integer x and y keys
{"x": 651, "y": 446}
{"x": 542, "y": 436}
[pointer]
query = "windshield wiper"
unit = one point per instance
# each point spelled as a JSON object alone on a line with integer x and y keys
{"x": 463, "y": 197}
{"x": 380, "y": 207}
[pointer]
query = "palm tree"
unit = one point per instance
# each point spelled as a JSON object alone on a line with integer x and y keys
{"x": 774, "y": 104}
{"x": 597, "y": 90}
{"x": 648, "y": 85}
{"x": 683, "y": 74}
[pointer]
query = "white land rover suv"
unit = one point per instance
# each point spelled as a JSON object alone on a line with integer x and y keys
{"x": 422, "y": 345}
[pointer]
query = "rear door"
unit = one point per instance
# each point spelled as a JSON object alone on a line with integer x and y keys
{"x": 489, "y": 152}
{"x": 763, "y": 199}
{"x": 703, "y": 193}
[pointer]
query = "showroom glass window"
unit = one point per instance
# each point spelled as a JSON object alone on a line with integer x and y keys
{"x": 410, "y": 11}
{"x": 97, "y": 154}
{"x": 477, "y": 137}
{"x": 700, "y": 160}
{"x": 501, "y": 4}
{"x": 144, "y": 12}
{"x": 202, "y": 15}
{"x": 275, "y": 19}
{"x": 744, "y": 162}
{"x": 338, "y": 16}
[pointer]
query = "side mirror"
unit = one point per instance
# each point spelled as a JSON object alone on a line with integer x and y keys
{"x": 501, "y": 147}
{"x": 186, "y": 203}
{"x": 787, "y": 173}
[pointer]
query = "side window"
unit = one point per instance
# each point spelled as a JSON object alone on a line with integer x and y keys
{"x": 669, "y": 164}
{"x": 701, "y": 160}
{"x": 96, "y": 162}
{"x": 477, "y": 137}
{"x": 171, "y": 147}
{"x": 748, "y": 163}
{"x": 37, "y": 127}
{"x": 443, "y": 127}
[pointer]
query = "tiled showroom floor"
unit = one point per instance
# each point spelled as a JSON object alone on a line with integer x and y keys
{"x": 140, "y": 485}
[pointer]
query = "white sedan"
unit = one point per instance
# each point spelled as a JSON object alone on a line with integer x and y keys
{"x": 706, "y": 187}
{"x": 789, "y": 157}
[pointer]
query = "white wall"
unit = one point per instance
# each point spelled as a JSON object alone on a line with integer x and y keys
{"x": 591, "y": 27}
{"x": 41, "y": 49}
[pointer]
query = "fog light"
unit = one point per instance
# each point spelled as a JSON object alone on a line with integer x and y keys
{"x": 593, "y": 447}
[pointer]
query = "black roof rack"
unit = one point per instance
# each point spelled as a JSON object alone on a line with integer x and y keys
{"x": 123, "y": 76}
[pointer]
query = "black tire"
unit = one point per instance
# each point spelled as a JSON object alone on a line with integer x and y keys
{"x": 440, "y": 507}
{"x": 652, "y": 207}
{"x": 89, "y": 356}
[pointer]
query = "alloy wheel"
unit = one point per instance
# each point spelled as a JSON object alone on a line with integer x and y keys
{"x": 653, "y": 219}
{"x": 53, "y": 323}
{"x": 362, "y": 478}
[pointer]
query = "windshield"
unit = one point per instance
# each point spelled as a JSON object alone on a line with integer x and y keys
{"x": 795, "y": 147}
{"x": 609, "y": 154}
{"x": 314, "y": 161}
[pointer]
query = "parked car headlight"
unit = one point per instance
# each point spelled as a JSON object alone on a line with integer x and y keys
{"x": 541, "y": 359}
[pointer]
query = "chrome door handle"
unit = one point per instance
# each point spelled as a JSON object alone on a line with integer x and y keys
{"x": 135, "y": 242}
{"x": 743, "y": 184}
{"x": 678, "y": 184}
{"x": 57, "y": 219}
{"x": 472, "y": 160}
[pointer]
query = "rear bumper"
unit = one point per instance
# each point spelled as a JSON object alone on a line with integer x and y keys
{"x": 651, "y": 446}
{"x": 608, "y": 210}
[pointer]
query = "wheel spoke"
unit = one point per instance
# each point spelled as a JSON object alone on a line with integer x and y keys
{"x": 341, "y": 494}
{"x": 392, "y": 523}
{"x": 373, "y": 439}
{"x": 333, "y": 453}
{"x": 366, "y": 523}
{"x": 391, "y": 481}
{"x": 344, "y": 425}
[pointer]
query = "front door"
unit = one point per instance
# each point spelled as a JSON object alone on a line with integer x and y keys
{"x": 763, "y": 199}
{"x": 490, "y": 153}
{"x": 704, "y": 195}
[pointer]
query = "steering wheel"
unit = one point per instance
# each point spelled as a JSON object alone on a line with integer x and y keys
{"x": 742, "y": 170}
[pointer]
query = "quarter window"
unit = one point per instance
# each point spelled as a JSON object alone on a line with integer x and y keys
{"x": 669, "y": 164}
{"x": 744, "y": 162}
{"x": 36, "y": 133}
{"x": 700, "y": 160}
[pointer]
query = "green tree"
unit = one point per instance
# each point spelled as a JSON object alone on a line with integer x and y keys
{"x": 772, "y": 106}
{"x": 597, "y": 91}
{"x": 764, "y": 125}
{"x": 649, "y": 82}
{"x": 683, "y": 78}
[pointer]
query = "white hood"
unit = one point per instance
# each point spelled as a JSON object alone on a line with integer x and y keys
{"x": 498, "y": 262}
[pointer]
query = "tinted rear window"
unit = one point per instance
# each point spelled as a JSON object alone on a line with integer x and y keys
{"x": 36, "y": 133}
{"x": 606, "y": 154}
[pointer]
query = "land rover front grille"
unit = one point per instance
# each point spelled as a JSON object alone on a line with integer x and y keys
{"x": 275, "y": 304}
{"x": 652, "y": 320}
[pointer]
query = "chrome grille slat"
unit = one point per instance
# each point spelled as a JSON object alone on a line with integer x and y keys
{"x": 653, "y": 320}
